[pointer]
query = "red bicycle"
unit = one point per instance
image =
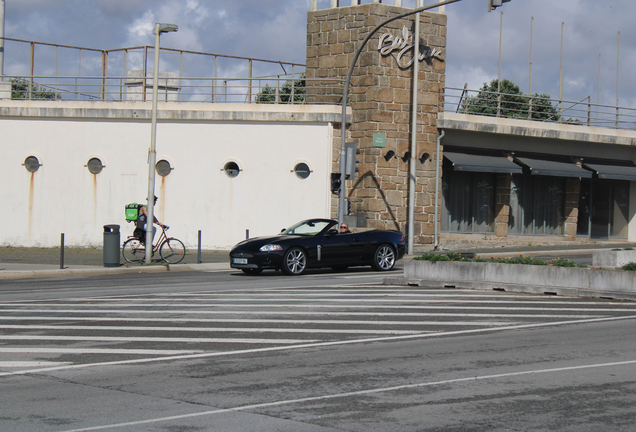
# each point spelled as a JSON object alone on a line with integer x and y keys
{"x": 170, "y": 249}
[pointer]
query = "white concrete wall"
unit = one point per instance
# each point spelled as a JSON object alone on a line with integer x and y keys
{"x": 64, "y": 197}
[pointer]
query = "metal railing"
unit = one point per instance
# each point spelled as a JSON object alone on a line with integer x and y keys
{"x": 299, "y": 90}
{"x": 78, "y": 73}
{"x": 172, "y": 88}
{"x": 537, "y": 108}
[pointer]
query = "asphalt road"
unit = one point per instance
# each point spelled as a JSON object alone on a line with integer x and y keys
{"x": 324, "y": 352}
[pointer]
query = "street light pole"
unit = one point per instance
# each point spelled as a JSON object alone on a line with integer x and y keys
{"x": 152, "y": 153}
{"x": 1, "y": 40}
{"x": 413, "y": 151}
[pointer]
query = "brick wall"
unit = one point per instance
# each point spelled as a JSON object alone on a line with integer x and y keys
{"x": 380, "y": 99}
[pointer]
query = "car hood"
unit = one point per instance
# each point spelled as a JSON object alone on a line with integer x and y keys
{"x": 254, "y": 244}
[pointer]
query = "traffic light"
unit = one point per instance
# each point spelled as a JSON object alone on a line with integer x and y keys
{"x": 335, "y": 183}
{"x": 351, "y": 160}
{"x": 492, "y": 4}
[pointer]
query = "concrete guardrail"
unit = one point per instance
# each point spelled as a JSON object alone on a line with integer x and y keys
{"x": 538, "y": 279}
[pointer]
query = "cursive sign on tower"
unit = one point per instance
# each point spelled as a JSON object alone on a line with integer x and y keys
{"x": 388, "y": 43}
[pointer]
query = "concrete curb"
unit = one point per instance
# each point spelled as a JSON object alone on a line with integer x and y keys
{"x": 527, "y": 289}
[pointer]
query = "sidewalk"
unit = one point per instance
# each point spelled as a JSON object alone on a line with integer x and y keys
{"x": 21, "y": 262}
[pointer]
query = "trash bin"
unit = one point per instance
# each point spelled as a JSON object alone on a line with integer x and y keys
{"x": 111, "y": 245}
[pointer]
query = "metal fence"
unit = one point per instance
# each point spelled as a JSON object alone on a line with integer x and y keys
{"x": 535, "y": 108}
{"x": 299, "y": 90}
{"x": 46, "y": 70}
{"x": 177, "y": 89}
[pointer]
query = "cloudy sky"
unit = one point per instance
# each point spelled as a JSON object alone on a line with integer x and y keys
{"x": 276, "y": 29}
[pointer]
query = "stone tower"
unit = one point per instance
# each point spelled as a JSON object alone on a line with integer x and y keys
{"x": 380, "y": 97}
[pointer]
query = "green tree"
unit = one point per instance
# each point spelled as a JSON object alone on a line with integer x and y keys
{"x": 268, "y": 94}
{"x": 514, "y": 104}
{"x": 20, "y": 90}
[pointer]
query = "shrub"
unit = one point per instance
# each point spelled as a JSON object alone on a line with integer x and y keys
{"x": 522, "y": 259}
{"x": 429, "y": 256}
{"x": 631, "y": 266}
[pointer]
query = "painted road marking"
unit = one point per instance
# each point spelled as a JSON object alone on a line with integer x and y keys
{"x": 259, "y": 321}
{"x": 315, "y": 313}
{"x": 153, "y": 339}
{"x": 313, "y": 345}
{"x": 356, "y": 393}
{"x": 65, "y": 350}
{"x": 23, "y": 364}
{"x": 206, "y": 329}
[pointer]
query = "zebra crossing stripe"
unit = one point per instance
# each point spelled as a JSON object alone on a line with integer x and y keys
{"x": 261, "y": 321}
{"x": 315, "y": 313}
{"x": 66, "y": 350}
{"x": 199, "y": 355}
{"x": 206, "y": 329}
{"x": 156, "y": 339}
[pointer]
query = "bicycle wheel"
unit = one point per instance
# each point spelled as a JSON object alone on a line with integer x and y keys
{"x": 172, "y": 251}
{"x": 134, "y": 251}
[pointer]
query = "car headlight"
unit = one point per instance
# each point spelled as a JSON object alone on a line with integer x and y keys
{"x": 271, "y": 248}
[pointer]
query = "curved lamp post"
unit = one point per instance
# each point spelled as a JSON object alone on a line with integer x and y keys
{"x": 152, "y": 153}
{"x": 343, "y": 128}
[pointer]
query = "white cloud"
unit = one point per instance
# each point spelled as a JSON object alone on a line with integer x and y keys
{"x": 475, "y": 77}
{"x": 275, "y": 30}
{"x": 142, "y": 27}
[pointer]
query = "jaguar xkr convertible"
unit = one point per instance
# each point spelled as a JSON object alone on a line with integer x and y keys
{"x": 316, "y": 243}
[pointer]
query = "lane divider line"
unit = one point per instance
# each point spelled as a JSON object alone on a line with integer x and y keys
{"x": 354, "y": 394}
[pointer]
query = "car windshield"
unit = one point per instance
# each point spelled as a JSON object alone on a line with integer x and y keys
{"x": 308, "y": 228}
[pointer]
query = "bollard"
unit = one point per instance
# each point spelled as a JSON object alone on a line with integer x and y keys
{"x": 62, "y": 252}
{"x": 199, "y": 249}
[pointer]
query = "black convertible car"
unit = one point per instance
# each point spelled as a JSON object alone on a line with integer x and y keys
{"x": 317, "y": 243}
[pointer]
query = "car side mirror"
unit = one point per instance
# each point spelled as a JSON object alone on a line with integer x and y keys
{"x": 283, "y": 229}
{"x": 332, "y": 232}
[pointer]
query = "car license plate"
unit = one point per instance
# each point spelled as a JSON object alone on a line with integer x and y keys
{"x": 240, "y": 260}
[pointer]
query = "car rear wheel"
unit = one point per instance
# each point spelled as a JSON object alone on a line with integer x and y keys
{"x": 295, "y": 262}
{"x": 383, "y": 258}
{"x": 252, "y": 271}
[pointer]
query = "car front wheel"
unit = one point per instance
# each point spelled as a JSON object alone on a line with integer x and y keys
{"x": 295, "y": 262}
{"x": 383, "y": 258}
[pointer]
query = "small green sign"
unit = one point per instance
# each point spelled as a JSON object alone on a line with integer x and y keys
{"x": 379, "y": 140}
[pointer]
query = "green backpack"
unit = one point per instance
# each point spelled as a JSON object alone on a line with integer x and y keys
{"x": 132, "y": 212}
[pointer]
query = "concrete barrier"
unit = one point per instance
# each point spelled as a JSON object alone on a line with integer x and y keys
{"x": 613, "y": 258}
{"x": 571, "y": 281}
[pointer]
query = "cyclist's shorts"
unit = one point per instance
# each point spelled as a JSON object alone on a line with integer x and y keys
{"x": 140, "y": 234}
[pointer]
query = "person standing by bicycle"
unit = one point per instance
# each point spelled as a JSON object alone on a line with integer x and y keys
{"x": 140, "y": 230}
